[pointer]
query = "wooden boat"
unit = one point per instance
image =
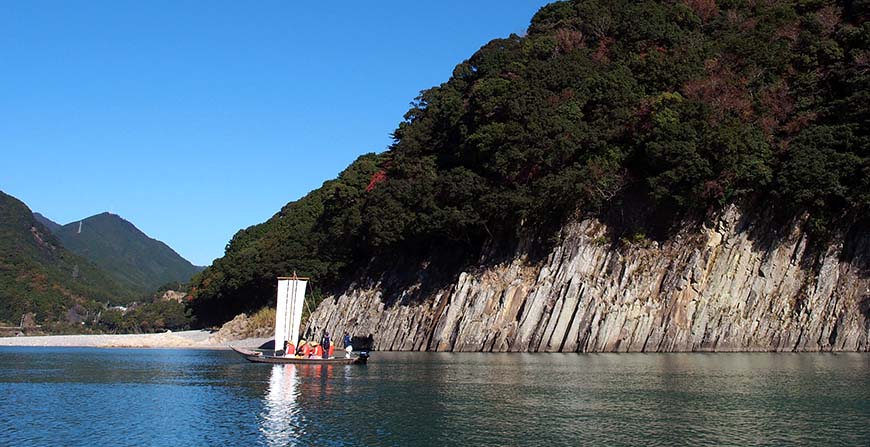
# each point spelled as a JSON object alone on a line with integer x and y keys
{"x": 258, "y": 356}
{"x": 288, "y": 319}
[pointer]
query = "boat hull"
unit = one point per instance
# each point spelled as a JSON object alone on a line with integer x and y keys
{"x": 259, "y": 357}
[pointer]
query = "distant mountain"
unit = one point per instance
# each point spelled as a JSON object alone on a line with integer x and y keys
{"x": 50, "y": 224}
{"x": 38, "y": 275}
{"x": 135, "y": 260}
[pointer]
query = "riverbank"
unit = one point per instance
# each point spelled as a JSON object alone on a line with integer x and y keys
{"x": 181, "y": 340}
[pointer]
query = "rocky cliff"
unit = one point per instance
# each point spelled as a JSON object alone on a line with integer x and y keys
{"x": 733, "y": 283}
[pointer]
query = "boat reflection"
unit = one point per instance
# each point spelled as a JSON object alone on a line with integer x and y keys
{"x": 282, "y": 422}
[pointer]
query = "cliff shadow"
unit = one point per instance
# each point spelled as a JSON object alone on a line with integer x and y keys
{"x": 634, "y": 216}
{"x": 856, "y": 246}
{"x": 411, "y": 276}
{"x": 414, "y": 274}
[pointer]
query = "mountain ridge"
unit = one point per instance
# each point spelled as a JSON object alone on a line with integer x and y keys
{"x": 50, "y": 224}
{"x": 133, "y": 258}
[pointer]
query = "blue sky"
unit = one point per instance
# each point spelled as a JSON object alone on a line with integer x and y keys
{"x": 196, "y": 119}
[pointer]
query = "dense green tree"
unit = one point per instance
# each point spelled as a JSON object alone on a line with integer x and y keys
{"x": 682, "y": 105}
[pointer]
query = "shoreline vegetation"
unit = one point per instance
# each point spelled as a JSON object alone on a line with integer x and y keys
{"x": 196, "y": 339}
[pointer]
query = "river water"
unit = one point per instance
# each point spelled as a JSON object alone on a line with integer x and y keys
{"x": 120, "y": 397}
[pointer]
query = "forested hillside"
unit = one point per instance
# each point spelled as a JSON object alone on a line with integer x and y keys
{"x": 38, "y": 275}
{"x": 643, "y": 113}
{"x": 134, "y": 260}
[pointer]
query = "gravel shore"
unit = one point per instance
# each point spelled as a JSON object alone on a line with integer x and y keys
{"x": 183, "y": 339}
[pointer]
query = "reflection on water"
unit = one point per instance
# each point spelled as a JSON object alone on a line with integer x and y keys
{"x": 85, "y": 397}
{"x": 298, "y": 403}
{"x": 282, "y": 420}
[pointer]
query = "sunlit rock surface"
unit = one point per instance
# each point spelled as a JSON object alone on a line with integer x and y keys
{"x": 732, "y": 284}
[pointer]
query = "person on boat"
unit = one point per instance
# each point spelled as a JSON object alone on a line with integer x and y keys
{"x": 289, "y": 349}
{"x": 318, "y": 351}
{"x": 348, "y": 345}
{"x": 304, "y": 350}
{"x": 326, "y": 344}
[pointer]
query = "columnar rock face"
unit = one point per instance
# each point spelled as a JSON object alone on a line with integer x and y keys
{"x": 732, "y": 284}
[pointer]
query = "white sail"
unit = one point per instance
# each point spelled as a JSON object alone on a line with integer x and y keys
{"x": 288, "y": 314}
{"x": 281, "y": 314}
{"x": 295, "y": 311}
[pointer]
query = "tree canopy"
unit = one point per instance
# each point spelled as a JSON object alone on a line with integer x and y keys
{"x": 687, "y": 104}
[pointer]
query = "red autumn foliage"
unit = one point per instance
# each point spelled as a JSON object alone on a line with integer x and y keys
{"x": 705, "y": 9}
{"x": 721, "y": 88}
{"x": 603, "y": 50}
{"x": 799, "y": 122}
{"x": 748, "y": 24}
{"x": 789, "y": 31}
{"x": 713, "y": 189}
{"x": 564, "y": 96}
{"x": 780, "y": 105}
{"x": 862, "y": 61}
{"x": 377, "y": 177}
{"x": 829, "y": 18}
{"x": 568, "y": 40}
{"x": 768, "y": 125}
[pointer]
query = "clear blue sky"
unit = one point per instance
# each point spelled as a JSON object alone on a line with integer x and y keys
{"x": 196, "y": 119}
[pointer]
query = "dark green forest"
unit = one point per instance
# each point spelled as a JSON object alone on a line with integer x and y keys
{"x": 667, "y": 108}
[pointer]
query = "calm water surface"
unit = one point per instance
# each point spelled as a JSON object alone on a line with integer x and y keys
{"x": 116, "y": 397}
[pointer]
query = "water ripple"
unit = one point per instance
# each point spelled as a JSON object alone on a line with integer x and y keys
{"x": 84, "y": 397}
